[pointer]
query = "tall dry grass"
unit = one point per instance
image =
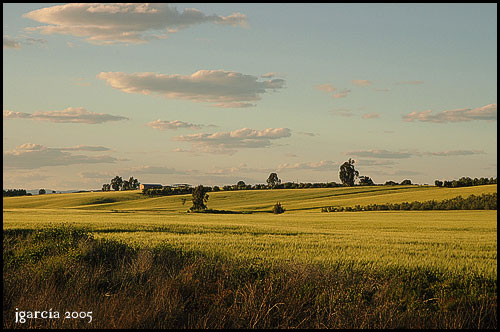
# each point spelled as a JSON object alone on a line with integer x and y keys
{"x": 66, "y": 269}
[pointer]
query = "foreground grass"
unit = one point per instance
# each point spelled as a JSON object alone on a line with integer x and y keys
{"x": 165, "y": 287}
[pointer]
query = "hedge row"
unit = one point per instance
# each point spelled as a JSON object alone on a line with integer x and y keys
{"x": 473, "y": 202}
{"x": 465, "y": 182}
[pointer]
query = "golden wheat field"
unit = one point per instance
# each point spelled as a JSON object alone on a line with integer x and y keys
{"x": 463, "y": 242}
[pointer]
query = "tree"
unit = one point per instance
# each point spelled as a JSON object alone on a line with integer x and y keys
{"x": 106, "y": 187}
{"x": 390, "y": 183}
{"x": 347, "y": 173}
{"x": 116, "y": 183}
{"x": 126, "y": 185}
{"x": 365, "y": 181}
{"x": 134, "y": 183}
{"x": 406, "y": 182}
{"x": 41, "y": 192}
{"x": 200, "y": 197}
{"x": 273, "y": 180}
{"x": 438, "y": 183}
{"x": 241, "y": 184}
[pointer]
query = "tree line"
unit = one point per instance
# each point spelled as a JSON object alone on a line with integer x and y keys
{"x": 465, "y": 182}
{"x": 15, "y": 192}
{"x": 272, "y": 182}
{"x": 473, "y": 202}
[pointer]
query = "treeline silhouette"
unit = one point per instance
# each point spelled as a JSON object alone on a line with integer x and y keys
{"x": 465, "y": 182}
{"x": 15, "y": 192}
{"x": 165, "y": 191}
{"x": 473, "y": 202}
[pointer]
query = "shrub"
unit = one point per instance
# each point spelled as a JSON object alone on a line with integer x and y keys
{"x": 278, "y": 208}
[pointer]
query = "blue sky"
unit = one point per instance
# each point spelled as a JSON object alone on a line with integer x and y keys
{"x": 231, "y": 92}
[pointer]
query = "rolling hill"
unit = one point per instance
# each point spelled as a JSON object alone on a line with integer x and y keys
{"x": 245, "y": 200}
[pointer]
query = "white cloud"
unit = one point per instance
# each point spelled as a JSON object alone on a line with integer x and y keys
{"x": 306, "y": 133}
{"x": 488, "y": 112}
{"x": 180, "y": 150}
{"x": 323, "y": 165}
{"x": 361, "y": 82}
{"x": 330, "y": 89}
{"x": 10, "y": 43}
{"x": 341, "y": 94}
{"x": 109, "y": 23}
{"x": 399, "y": 172}
{"x": 222, "y": 88}
{"x": 325, "y": 88}
{"x": 373, "y": 162}
{"x": 96, "y": 175}
{"x": 454, "y": 153}
{"x": 379, "y": 154}
{"x": 241, "y": 168}
{"x": 385, "y": 154}
{"x": 7, "y": 114}
{"x": 228, "y": 142}
{"x": 84, "y": 148}
{"x": 269, "y": 75}
{"x": 68, "y": 115}
{"x": 342, "y": 112}
{"x": 34, "y": 41}
{"x": 409, "y": 83}
{"x": 153, "y": 170}
{"x": 175, "y": 124}
{"x": 32, "y": 156}
{"x": 371, "y": 116}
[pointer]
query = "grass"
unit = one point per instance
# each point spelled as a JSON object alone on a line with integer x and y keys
{"x": 401, "y": 258}
{"x": 163, "y": 287}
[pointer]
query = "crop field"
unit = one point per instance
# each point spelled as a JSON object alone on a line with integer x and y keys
{"x": 456, "y": 245}
{"x": 454, "y": 241}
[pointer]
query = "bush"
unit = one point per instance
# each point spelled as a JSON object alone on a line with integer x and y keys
{"x": 278, "y": 208}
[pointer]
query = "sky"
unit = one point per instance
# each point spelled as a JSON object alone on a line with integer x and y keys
{"x": 217, "y": 93}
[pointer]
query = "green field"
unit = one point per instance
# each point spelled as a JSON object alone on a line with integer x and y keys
{"x": 463, "y": 242}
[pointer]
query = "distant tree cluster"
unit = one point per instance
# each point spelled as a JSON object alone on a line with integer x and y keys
{"x": 15, "y": 192}
{"x": 465, "y": 182}
{"x": 274, "y": 183}
{"x": 117, "y": 183}
{"x": 167, "y": 191}
{"x": 283, "y": 185}
{"x": 365, "y": 181}
{"x": 473, "y": 202}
